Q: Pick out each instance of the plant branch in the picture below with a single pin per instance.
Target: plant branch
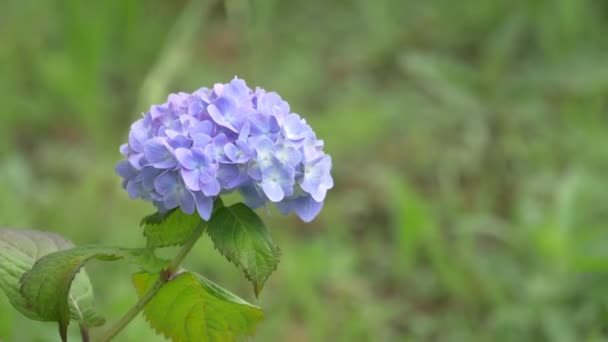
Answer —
(84, 333)
(164, 278)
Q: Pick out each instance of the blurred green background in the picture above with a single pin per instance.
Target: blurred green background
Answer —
(469, 138)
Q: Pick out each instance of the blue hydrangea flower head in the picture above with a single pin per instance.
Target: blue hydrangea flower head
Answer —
(194, 147)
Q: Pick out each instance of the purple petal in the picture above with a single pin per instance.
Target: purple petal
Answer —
(312, 147)
(187, 122)
(125, 170)
(272, 104)
(239, 153)
(165, 183)
(288, 155)
(205, 127)
(317, 178)
(285, 206)
(185, 158)
(137, 160)
(237, 88)
(125, 150)
(216, 149)
(218, 89)
(204, 205)
(307, 208)
(157, 112)
(172, 134)
(294, 127)
(244, 133)
(133, 189)
(253, 196)
(221, 112)
(138, 135)
(231, 176)
(180, 141)
(263, 124)
(232, 152)
(148, 176)
(264, 149)
(192, 179)
(211, 188)
(273, 190)
(201, 140)
(158, 155)
(186, 200)
(197, 107)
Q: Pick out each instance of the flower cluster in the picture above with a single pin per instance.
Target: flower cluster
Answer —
(187, 151)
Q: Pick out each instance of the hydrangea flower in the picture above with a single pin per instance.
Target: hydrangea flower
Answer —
(194, 147)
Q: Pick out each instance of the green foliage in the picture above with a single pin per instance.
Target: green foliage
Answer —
(169, 229)
(19, 249)
(46, 287)
(191, 308)
(241, 236)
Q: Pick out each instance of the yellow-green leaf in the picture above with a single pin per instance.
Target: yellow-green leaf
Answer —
(192, 308)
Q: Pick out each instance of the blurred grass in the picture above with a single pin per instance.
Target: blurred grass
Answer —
(469, 143)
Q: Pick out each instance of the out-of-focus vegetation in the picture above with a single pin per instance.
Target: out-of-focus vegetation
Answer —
(469, 143)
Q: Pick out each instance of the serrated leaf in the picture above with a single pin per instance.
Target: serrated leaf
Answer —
(241, 236)
(46, 287)
(192, 308)
(156, 218)
(169, 229)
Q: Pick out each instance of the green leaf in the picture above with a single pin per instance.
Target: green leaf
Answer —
(46, 287)
(192, 308)
(169, 229)
(241, 236)
(19, 249)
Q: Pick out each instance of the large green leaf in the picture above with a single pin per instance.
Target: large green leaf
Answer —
(46, 287)
(169, 229)
(192, 308)
(241, 236)
(19, 250)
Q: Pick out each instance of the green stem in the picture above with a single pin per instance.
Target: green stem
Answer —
(162, 280)
(84, 333)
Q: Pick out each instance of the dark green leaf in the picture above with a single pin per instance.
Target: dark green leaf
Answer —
(19, 249)
(192, 308)
(241, 236)
(46, 287)
(169, 229)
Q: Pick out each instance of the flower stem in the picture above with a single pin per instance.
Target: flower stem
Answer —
(84, 333)
(164, 278)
